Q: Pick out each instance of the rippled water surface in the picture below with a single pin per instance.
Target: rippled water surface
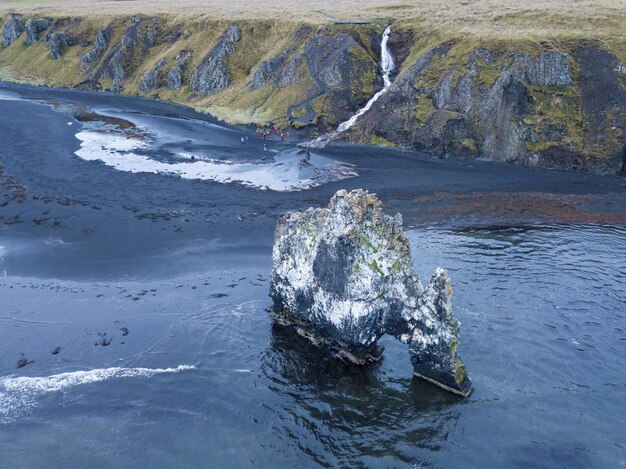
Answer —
(542, 313)
(136, 303)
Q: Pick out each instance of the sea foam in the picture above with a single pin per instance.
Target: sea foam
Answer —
(19, 394)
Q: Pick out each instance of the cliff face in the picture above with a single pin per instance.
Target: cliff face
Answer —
(561, 108)
(557, 105)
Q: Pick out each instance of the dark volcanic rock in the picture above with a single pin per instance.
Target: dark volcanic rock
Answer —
(280, 71)
(101, 44)
(58, 44)
(284, 69)
(549, 69)
(140, 36)
(507, 106)
(151, 80)
(212, 74)
(33, 28)
(343, 276)
(116, 66)
(13, 27)
(176, 75)
(603, 86)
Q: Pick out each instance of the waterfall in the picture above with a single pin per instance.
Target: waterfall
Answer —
(387, 65)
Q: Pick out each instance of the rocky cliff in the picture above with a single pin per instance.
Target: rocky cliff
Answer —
(560, 108)
(343, 276)
(555, 104)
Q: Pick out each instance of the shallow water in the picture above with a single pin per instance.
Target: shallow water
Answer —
(155, 289)
(542, 329)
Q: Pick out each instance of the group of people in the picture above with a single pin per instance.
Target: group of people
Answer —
(265, 132)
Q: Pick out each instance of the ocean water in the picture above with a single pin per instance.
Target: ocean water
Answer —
(153, 290)
(207, 380)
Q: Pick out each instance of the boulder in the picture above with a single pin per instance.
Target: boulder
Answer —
(343, 276)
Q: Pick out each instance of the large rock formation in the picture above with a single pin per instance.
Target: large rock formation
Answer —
(176, 75)
(34, 27)
(152, 80)
(343, 276)
(58, 44)
(328, 73)
(124, 58)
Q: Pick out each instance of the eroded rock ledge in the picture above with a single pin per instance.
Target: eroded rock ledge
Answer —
(343, 277)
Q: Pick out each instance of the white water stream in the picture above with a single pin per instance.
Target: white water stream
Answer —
(387, 65)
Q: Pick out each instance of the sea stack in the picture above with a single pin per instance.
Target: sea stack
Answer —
(343, 276)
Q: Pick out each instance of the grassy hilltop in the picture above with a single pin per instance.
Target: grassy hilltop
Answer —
(535, 82)
(503, 19)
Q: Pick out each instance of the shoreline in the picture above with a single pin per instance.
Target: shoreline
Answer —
(335, 146)
(443, 192)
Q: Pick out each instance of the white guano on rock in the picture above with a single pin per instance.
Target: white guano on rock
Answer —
(343, 276)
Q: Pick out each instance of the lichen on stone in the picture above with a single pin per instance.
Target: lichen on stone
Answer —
(346, 273)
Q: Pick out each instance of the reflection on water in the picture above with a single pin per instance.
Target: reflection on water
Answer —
(542, 313)
(542, 324)
(356, 414)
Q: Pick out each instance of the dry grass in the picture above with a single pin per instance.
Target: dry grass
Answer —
(490, 18)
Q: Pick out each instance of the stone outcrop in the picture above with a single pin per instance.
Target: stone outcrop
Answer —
(212, 74)
(100, 45)
(331, 74)
(279, 71)
(151, 80)
(176, 75)
(58, 44)
(507, 106)
(343, 277)
(34, 27)
(12, 29)
(284, 69)
(140, 36)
